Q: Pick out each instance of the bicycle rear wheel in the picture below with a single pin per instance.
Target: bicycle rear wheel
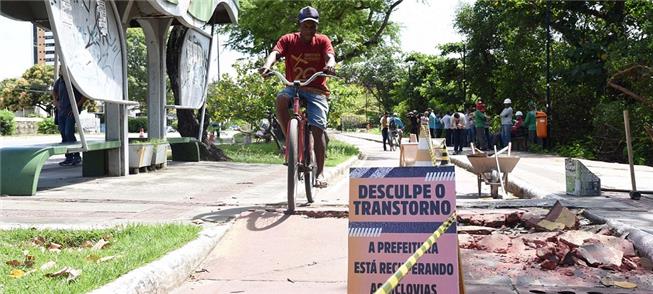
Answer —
(310, 166)
(291, 148)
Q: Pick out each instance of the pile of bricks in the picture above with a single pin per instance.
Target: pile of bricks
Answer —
(550, 239)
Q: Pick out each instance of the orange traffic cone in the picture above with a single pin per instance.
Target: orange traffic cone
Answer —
(141, 134)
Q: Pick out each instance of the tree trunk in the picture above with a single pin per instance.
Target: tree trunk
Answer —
(187, 119)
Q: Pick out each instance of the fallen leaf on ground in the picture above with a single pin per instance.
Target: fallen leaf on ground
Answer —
(47, 265)
(93, 257)
(289, 280)
(625, 284)
(107, 237)
(16, 273)
(54, 247)
(38, 241)
(14, 263)
(29, 260)
(100, 244)
(68, 272)
(605, 281)
(87, 244)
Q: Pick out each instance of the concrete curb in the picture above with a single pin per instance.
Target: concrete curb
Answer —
(343, 168)
(171, 270)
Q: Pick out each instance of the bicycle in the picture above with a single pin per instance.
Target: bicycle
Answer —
(394, 139)
(300, 155)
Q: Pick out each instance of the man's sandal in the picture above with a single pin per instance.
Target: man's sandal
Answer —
(320, 183)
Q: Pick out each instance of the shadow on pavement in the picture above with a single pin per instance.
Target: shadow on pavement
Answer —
(225, 215)
(265, 220)
(54, 176)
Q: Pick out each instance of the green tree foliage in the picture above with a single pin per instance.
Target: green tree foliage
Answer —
(33, 88)
(353, 26)
(137, 66)
(7, 122)
(246, 97)
(591, 42)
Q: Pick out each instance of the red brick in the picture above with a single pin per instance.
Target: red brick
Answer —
(476, 230)
(466, 241)
(494, 243)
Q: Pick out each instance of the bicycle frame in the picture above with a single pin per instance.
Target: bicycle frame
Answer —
(299, 153)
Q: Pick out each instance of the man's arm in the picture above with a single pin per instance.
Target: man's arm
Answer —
(269, 61)
(330, 67)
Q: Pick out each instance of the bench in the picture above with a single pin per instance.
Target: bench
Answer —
(185, 149)
(20, 166)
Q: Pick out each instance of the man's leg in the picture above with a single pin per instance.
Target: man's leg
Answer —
(282, 112)
(384, 134)
(318, 108)
(319, 147)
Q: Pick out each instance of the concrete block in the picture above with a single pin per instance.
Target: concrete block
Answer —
(580, 181)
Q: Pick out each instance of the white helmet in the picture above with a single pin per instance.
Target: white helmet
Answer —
(519, 113)
(507, 101)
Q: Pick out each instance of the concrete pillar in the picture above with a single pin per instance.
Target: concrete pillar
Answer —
(156, 33)
(116, 128)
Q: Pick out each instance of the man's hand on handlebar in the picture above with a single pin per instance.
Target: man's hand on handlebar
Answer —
(329, 70)
(264, 71)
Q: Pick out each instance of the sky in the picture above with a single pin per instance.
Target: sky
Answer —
(424, 24)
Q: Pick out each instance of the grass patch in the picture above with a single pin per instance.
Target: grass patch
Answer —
(132, 246)
(337, 152)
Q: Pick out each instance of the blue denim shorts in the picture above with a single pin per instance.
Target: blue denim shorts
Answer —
(317, 105)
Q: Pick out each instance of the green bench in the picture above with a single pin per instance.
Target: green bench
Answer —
(185, 149)
(20, 167)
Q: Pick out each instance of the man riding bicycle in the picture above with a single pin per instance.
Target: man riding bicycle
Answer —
(396, 127)
(306, 53)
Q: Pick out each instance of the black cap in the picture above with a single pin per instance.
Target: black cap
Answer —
(308, 13)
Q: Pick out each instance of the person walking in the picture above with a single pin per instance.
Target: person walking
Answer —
(432, 124)
(479, 123)
(413, 116)
(458, 127)
(529, 122)
(470, 128)
(384, 130)
(448, 133)
(65, 118)
(506, 122)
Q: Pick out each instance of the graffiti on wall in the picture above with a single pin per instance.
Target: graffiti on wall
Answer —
(87, 32)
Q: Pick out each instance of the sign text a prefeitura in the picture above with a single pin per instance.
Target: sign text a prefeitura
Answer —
(392, 211)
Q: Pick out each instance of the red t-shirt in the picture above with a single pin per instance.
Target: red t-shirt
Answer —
(305, 59)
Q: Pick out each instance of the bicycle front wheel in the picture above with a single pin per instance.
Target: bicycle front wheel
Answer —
(291, 148)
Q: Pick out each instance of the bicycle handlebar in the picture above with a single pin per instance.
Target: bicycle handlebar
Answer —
(283, 79)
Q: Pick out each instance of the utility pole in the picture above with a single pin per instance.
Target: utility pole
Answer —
(464, 69)
(549, 115)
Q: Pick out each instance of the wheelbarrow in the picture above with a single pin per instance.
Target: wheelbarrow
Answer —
(492, 170)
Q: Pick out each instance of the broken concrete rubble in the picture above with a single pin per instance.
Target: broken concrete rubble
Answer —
(600, 255)
(590, 245)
